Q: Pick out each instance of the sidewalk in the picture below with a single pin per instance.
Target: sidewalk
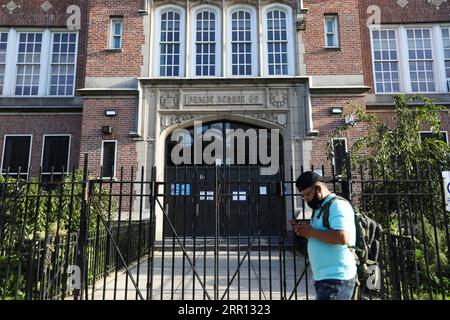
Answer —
(258, 280)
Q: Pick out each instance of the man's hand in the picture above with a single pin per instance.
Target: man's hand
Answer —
(302, 229)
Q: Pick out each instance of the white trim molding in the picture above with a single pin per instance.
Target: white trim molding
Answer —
(432, 44)
(115, 159)
(254, 40)
(192, 36)
(157, 43)
(29, 152)
(290, 39)
(68, 151)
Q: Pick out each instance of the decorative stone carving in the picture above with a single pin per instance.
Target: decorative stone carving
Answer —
(11, 6)
(169, 100)
(46, 6)
(278, 119)
(170, 120)
(278, 98)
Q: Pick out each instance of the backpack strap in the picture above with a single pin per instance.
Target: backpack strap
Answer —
(326, 211)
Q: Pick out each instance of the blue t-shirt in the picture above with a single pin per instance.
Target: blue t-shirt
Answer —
(333, 261)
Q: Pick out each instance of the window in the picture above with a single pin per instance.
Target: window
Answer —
(385, 58)
(116, 33)
(63, 64)
(3, 48)
(411, 59)
(109, 152)
(339, 153)
(38, 63)
(277, 42)
(420, 57)
(331, 31)
(55, 154)
(206, 36)
(170, 44)
(446, 45)
(28, 64)
(428, 134)
(243, 35)
(16, 154)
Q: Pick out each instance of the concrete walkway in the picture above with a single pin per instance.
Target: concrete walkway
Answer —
(259, 278)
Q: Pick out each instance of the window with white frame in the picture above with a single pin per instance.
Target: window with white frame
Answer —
(109, 153)
(3, 51)
(339, 154)
(442, 135)
(16, 154)
(38, 63)
(446, 46)
(55, 154)
(420, 58)
(331, 31)
(277, 42)
(411, 59)
(242, 42)
(385, 60)
(62, 71)
(206, 38)
(28, 64)
(116, 33)
(170, 43)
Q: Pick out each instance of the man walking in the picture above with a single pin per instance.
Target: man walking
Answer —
(332, 262)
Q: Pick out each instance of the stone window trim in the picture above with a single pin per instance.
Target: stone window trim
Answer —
(45, 62)
(440, 80)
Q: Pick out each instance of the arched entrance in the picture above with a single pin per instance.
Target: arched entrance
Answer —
(231, 197)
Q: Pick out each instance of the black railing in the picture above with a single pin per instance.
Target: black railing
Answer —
(216, 232)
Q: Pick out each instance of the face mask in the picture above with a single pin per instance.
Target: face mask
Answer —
(315, 203)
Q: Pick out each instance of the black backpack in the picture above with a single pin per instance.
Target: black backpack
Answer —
(367, 244)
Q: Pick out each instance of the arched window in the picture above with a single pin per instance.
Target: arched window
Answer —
(169, 50)
(242, 42)
(206, 38)
(278, 41)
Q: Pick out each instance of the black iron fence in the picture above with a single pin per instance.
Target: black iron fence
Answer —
(209, 233)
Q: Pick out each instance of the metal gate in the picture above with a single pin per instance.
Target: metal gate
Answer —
(204, 233)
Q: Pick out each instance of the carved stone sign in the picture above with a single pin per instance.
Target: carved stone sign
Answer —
(216, 98)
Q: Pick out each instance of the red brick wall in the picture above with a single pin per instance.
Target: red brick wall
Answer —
(104, 63)
(91, 137)
(38, 125)
(388, 117)
(30, 14)
(417, 11)
(322, 61)
(325, 123)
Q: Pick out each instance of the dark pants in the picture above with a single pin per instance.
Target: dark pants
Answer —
(331, 289)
